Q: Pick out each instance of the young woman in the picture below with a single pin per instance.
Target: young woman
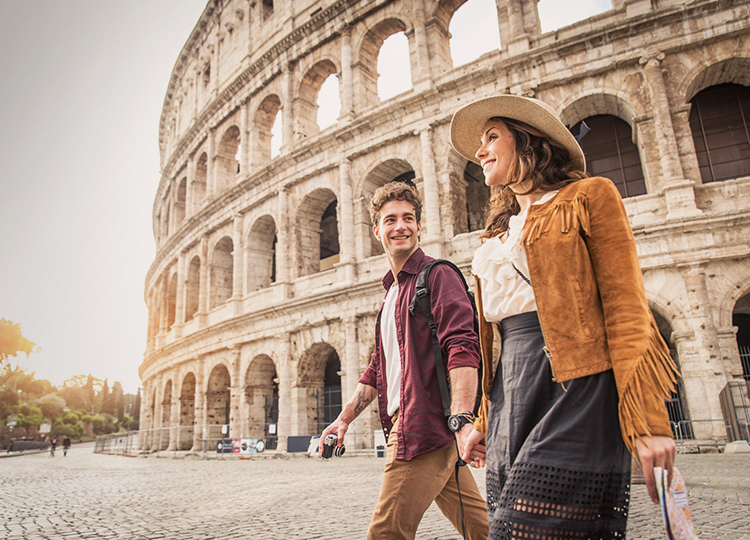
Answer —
(582, 373)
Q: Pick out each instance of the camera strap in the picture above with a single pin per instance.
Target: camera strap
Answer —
(460, 463)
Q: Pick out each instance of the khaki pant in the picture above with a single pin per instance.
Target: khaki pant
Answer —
(409, 487)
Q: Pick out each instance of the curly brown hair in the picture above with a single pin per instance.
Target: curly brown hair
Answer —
(538, 159)
(395, 191)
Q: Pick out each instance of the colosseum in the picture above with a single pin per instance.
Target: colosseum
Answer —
(263, 293)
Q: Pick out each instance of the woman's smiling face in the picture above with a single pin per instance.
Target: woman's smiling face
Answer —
(496, 153)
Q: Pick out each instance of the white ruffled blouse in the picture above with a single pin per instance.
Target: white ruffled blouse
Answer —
(504, 291)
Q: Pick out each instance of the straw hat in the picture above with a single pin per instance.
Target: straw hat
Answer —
(469, 120)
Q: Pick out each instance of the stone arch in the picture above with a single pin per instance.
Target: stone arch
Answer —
(382, 173)
(179, 204)
(677, 406)
(222, 270)
(735, 312)
(184, 439)
(262, 397)
(228, 165)
(218, 400)
(261, 254)
(262, 124)
(199, 182)
(166, 416)
(365, 72)
(470, 196)
(472, 40)
(172, 300)
(192, 288)
(305, 103)
(315, 226)
(704, 75)
(320, 373)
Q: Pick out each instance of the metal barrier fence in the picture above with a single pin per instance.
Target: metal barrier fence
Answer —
(240, 440)
(707, 431)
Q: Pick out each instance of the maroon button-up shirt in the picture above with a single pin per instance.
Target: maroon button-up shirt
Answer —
(422, 426)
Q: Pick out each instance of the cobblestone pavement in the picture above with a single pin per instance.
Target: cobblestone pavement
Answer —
(86, 495)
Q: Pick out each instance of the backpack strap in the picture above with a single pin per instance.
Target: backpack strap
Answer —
(422, 300)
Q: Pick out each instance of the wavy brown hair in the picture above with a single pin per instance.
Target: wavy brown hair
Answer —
(538, 159)
(396, 190)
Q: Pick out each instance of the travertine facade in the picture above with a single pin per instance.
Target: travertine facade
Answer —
(266, 280)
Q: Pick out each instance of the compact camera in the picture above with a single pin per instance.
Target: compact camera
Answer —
(330, 449)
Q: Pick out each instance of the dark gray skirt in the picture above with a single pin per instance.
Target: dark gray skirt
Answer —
(557, 467)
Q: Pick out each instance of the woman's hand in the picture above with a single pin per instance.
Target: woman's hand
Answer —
(655, 452)
(472, 451)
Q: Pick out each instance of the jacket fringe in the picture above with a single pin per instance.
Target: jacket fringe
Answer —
(654, 374)
(572, 214)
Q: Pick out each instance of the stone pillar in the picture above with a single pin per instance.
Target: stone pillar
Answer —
(174, 420)
(210, 165)
(350, 375)
(431, 209)
(244, 139)
(179, 319)
(346, 208)
(287, 113)
(189, 210)
(678, 192)
(346, 87)
(235, 395)
(517, 41)
(144, 417)
(199, 426)
(286, 379)
(702, 367)
(283, 247)
(237, 259)
(423, 79)
(203, 291)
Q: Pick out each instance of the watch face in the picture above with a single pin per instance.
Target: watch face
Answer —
(454, 423)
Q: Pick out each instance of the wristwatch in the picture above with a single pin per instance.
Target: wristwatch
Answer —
(457, 421)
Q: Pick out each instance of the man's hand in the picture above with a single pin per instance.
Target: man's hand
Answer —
(338, 428)
(470, 446)
(655, 452)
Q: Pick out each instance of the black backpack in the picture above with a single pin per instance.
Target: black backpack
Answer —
(422, 300)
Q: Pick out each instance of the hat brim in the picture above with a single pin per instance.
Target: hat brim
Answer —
(469, 121)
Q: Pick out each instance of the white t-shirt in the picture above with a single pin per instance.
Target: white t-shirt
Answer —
(391, 350)
(504, 291)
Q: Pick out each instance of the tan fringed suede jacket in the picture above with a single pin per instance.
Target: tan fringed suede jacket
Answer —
(592, 305)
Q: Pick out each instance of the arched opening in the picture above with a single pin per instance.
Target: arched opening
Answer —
(720, 123)
(187, 413)
(474, 31)
(394, 67)
(679, 417)
(611, 152)
(261, 254)
(172, 301)
(228, 165)
(554, 14)
(319, 373)
(306, 105)
(741, 319)
(312, 238)
(179, 205)
(388, 171)
(263, 125)
(199, 182)
(166, 415)
(366, 62)
(262, 397)
(477, 198)
(329, 102)
(222, 269)
(192, 288)
(218, 401)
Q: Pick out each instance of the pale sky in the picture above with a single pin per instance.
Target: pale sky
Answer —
(83, 83)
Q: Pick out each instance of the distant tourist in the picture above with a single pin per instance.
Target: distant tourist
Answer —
(66, 445)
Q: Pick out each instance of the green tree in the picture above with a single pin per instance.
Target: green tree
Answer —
(12, 341)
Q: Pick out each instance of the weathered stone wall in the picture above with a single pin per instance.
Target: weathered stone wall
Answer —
(239, 307)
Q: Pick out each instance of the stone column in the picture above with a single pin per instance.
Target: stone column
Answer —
(237, 259)
(350, 375)
(235, 395)
(203, 291)
(144, 417)
(431, 208)
(423, 78)
(517, 41)
(283, 248)
(346, 207)
(286, 379)
(189, 210)
(174, 420)
(210, 165)
(179, 320)
(199, 427)
(346, 87)
(244, 139)
(702, 365)
(287, 113)
(678, 192)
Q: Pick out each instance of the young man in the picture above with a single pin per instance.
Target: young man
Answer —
(422, 450)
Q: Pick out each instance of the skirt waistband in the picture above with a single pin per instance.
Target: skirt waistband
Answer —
(523, 322)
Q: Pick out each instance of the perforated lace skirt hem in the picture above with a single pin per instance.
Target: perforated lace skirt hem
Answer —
(557, 467)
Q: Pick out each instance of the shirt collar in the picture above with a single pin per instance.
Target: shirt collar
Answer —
(411, 266)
